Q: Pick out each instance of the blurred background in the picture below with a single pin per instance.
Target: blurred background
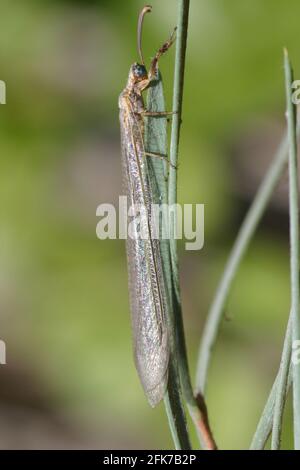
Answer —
(70, 381)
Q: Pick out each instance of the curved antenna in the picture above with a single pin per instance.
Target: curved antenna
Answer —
(146, 9)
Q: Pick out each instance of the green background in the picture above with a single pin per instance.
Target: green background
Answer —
(64, 315)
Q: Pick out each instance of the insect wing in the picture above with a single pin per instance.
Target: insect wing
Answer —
(146, 282)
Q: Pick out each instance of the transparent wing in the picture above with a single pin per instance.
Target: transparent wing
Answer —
(146, 282)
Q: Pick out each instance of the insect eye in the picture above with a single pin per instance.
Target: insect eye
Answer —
(139, 70)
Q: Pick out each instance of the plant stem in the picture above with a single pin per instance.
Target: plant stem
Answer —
(181, 40)
(264, 427)
(175, 411)
(156, 141)
(281, 388)
(196, 407)
(238, 250)
(294, 239)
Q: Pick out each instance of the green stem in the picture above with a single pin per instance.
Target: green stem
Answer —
(156, 141)
(181, 40)
(264, 427)
(281, 388)
(237, 253)
(196, 407)
(175, 411)
(294, 239)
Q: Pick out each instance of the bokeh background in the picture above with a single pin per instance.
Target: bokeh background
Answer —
(70, 381)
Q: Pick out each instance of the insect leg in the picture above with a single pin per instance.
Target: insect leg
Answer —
(161, 156)
(157, 113)
(162, 50)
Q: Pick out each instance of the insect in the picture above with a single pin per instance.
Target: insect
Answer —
(145, 271)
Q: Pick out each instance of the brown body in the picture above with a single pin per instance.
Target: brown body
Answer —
(146, 281)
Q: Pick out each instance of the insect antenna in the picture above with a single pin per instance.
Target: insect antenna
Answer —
(146, 9)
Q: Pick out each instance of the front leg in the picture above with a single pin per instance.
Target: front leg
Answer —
(161, 156)
(162, 50)
(152, 74)
(157, 113)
